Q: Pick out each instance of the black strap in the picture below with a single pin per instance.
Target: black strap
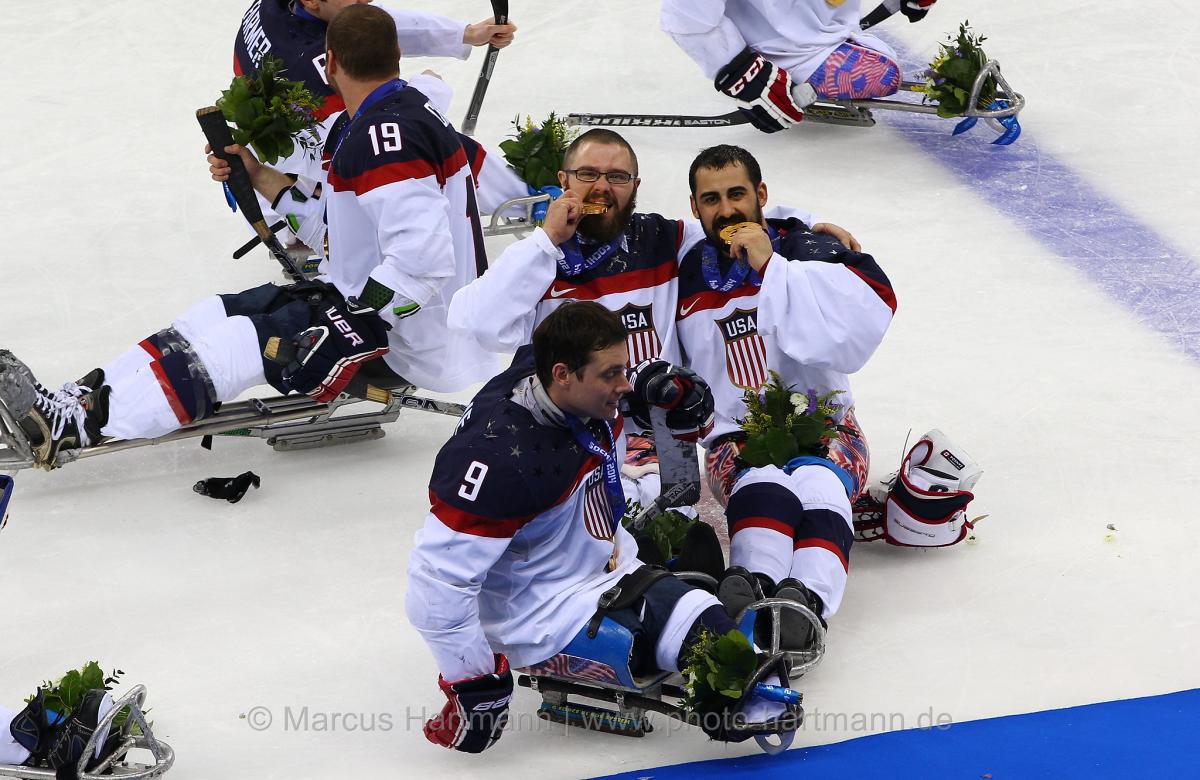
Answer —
(625, 593)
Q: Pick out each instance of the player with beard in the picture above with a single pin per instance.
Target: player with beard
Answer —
(623, 259)
(759, 294)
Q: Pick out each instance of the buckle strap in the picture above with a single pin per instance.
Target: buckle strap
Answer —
(625, 593)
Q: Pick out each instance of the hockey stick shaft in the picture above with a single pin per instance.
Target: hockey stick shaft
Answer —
(880, 13)
(241, 251)
(212, 122)
(500, 10)
(682, 120)
(657, 120)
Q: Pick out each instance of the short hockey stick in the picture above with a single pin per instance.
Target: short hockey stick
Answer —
(500, 9)
(242, 250)
(212, 122)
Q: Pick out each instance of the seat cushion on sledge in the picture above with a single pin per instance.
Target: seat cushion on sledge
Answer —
(602, 661)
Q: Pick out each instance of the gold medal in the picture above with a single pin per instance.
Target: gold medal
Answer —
(727, 232)
(591, 209)
(614, 559)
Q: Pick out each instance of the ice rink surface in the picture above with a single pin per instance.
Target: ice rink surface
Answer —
(1049, 322)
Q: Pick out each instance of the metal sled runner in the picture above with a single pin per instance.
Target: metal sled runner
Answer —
(1001, 114)
(124, 739)
(598, 669)
(287, 423)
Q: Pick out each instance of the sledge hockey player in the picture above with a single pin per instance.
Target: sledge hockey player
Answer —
(623, 259)
(403, 234)
(524, 532)
(294, 32)
(778, 57)
(777, 297)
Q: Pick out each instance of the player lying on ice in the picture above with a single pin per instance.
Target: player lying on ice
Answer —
(778, 57)
(524, 535)
(400, 217)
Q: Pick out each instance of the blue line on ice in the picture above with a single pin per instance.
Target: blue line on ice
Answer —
(1056, 206)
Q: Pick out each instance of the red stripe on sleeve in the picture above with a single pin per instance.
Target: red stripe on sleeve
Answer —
(151, 350)
(882, 290)
(477, 525)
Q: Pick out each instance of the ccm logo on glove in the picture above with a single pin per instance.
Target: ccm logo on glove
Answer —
(751, 73)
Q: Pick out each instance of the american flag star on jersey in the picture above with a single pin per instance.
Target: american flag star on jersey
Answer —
(597, 516)
(641, 337)
(745, 351)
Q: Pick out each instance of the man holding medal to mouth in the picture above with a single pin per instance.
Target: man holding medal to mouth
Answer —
(761, 295)
(625, 260)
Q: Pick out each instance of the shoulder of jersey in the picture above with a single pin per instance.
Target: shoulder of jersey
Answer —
(400, 137)
(529, 467)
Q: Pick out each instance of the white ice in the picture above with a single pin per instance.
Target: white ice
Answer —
(1081, 415)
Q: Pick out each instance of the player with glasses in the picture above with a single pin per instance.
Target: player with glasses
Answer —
(588, 175)
(593, 246)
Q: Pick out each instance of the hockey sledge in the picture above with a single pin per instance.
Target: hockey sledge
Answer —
(599, 669)
(515, 217)
(293, 422)
(1000, 115)
(116, 763)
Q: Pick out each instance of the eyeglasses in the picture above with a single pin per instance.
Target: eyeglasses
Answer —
(588, 175)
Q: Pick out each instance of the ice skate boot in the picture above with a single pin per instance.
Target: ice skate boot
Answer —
(57, 741)
(796, 633)
(56, 421)
(739, 588)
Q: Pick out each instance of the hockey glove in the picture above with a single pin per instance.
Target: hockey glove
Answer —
(916, 10)
(473, 720)
(686, 397)
(330, 353)
(927, 504)
(768, 89)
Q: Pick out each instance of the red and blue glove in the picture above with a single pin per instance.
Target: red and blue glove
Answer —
(474, 717)
(915, 10)
(686, 397)
(768, 89)
(330, 353)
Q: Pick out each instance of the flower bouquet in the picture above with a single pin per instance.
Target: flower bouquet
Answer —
(782, 424)
(951, 76)
(270, 114)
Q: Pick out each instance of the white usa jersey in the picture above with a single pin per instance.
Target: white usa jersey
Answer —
(819, 314)
(796, 35)
(525, 284)
(400, 207)
(513, 556)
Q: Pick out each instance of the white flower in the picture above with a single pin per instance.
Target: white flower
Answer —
(799, 401)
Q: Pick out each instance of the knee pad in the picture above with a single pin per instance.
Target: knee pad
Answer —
(926, 506)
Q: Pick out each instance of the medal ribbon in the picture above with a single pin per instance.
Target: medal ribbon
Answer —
(612, 479)
(573, 263)
(739, 271)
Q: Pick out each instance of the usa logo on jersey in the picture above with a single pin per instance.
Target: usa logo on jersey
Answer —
(745, 351)
(642, 339)
(597, 516)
